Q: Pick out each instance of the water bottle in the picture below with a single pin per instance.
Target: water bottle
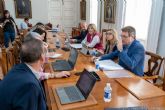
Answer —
(57, 43)
(97, 65)
(107, 92)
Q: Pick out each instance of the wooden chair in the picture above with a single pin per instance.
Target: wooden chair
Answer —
(1, 37)
(15, 50)
(154, 65)
(7, 60)
(75, 31)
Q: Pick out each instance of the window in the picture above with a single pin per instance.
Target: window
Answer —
(138, 16)
(93, 11)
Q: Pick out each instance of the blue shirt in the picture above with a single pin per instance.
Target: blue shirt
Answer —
(24, 25)
(131, 58)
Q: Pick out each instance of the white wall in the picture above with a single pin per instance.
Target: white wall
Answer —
(39, 11)
(119, 15)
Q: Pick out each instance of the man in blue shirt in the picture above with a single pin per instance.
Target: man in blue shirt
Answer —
(24, 24)
(130, 52)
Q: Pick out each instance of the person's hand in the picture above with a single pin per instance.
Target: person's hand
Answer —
(72, 40)
(94, 59)
(120, 45)
(63, 74)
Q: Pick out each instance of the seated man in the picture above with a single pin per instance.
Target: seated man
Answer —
(21, 88)
(130, 52)
(83, 33)
(24, 24)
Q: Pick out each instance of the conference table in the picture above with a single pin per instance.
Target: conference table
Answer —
(121, 96)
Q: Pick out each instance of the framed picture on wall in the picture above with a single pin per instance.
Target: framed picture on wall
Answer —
(23, 8)
(83, 9)
(110, 11)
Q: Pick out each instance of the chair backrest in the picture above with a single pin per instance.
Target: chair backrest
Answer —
(154, 64)
(75, 31)
(1, 37)
(7, 60)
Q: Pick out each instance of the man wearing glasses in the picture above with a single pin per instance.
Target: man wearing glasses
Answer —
(130, 52)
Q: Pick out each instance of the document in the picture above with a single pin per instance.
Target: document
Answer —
(77, 46)
(109, 65)
(55, 55)
(115, 74)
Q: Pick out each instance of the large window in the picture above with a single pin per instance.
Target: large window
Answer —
(138, 16)
(93, 11)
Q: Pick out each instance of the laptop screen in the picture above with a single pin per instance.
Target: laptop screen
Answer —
(86, 83)
(73, 57)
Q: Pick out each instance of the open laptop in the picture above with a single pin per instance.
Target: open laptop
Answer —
(78, 92)
(84, 50)
(63, 65)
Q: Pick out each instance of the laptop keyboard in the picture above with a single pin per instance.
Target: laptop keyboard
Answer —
(72, 93)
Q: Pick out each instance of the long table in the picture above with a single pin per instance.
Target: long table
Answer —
(121, 97)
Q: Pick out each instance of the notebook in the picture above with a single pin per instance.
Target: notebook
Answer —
(78, 92)
(63, 65)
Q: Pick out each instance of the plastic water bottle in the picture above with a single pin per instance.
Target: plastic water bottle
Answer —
(57, 43)
(107, 92)
(97, 65)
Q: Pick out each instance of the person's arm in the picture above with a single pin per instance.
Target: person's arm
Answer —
(27, 98)
(137, 55)
(15, 25)
(84, 41)
(95, 41)
(110, 56)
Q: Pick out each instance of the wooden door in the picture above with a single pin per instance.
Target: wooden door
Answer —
(64, 13)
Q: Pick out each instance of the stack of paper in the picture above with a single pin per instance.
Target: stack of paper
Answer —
(77, 46)
(109, 65)
(114, 74)
(55, 55)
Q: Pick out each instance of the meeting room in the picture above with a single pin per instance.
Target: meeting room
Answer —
(82, 55)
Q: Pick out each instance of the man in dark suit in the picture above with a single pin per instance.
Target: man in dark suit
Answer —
(21, 88)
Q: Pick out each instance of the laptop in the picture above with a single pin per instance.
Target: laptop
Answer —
(84, 50)
(63, 65)
(78, 92)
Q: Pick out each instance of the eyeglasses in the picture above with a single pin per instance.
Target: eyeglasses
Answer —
(108, 33)
(123, 36)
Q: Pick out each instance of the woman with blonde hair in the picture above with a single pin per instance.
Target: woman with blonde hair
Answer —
(111, 41)
(92, 39)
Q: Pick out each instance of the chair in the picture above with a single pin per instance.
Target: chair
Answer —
(1, 37)
(7, 60)
(154, 65)
(75, 31)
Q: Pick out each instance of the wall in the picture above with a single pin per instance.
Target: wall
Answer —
(161, 42)
(39, 11)
(119, 15)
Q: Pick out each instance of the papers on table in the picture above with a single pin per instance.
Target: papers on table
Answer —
(116, 74)
(55, 55)
(108, 65)
(77, 46)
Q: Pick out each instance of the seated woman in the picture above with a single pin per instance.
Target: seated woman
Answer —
(42, 33)
(92, 39)
(111, 41)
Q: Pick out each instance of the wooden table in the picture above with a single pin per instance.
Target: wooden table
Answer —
(121, 97)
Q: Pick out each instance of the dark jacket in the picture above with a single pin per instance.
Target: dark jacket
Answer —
(131, 58)
(81, 37)
(21, 90)
(9, 26)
